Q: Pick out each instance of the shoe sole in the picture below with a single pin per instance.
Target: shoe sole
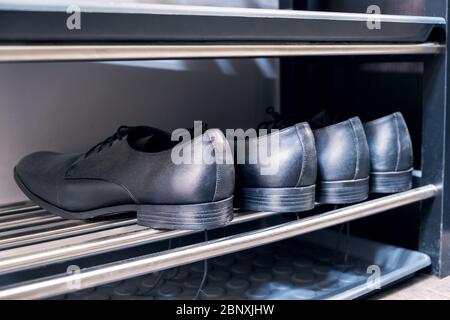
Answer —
(171, 217)
(278, 200)
(391, 182)
(343, 192)
(187, 217)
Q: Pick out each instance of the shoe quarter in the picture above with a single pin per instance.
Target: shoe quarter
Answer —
(108, 164)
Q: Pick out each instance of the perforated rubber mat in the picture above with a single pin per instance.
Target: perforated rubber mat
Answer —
(324, 265)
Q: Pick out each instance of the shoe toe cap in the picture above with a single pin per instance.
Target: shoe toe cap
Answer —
(42, 173)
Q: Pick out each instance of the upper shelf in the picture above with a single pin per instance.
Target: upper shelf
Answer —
(26, 21)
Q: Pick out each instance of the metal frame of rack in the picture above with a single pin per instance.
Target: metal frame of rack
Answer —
(434, 236)
(30, 238)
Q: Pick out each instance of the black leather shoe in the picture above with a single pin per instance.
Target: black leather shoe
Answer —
(286, 181)
(344, 164)
(133, 171)
(391, 154)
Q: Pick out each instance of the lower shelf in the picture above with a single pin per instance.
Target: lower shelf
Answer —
(312, 267)
(39, 247)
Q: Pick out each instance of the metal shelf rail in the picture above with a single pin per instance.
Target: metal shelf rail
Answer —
(49, 53)
(26, 257)
(40, 250)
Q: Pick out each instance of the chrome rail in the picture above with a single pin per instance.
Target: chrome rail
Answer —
(49, 53)
(14, 208)
(54, 231)
(121, 270)
(41, 254)
(27, 219)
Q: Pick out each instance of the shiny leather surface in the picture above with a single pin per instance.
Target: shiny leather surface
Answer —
(44, 172)
(295, 159)
(390, 144)
(120, 175)
(342, 151)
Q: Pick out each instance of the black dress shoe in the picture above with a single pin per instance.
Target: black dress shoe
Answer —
(133, 171)
(286, 181)
(344, 164)
(391, 154)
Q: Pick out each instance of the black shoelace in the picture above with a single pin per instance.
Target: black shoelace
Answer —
(277, 121)
(161, 275)
(205, 273)
(108, 142)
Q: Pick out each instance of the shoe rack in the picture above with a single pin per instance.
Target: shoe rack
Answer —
(31, 238)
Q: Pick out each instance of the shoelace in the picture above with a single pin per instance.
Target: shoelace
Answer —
(119, 135)
(277, 122)
(205, 272)
(159, 280)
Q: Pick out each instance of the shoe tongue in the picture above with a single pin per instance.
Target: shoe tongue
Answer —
(144, 143)
(146, 139)
(138, 133)
(323, 119)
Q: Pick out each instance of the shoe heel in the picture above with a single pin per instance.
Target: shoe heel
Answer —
(343, 192)
(276, 199)
(203, 216)
(392, 182)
